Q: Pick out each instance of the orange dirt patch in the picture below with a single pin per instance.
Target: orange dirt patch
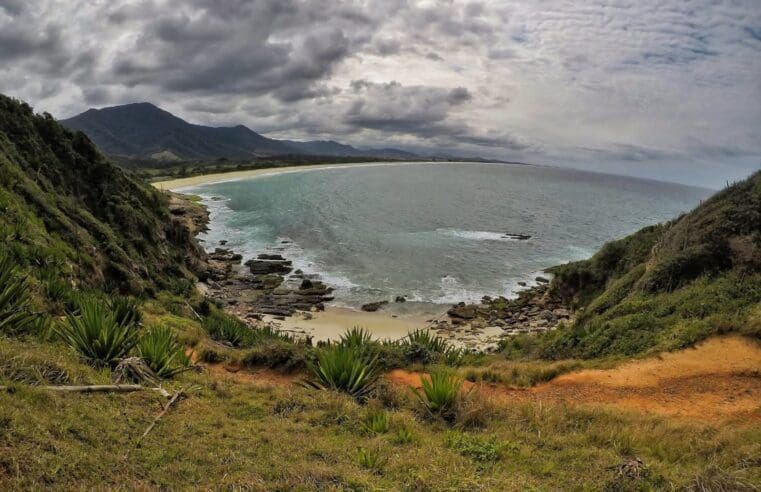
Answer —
(234, 371)
(717, 380)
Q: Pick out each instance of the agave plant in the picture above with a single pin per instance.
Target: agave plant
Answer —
(345, 369)
(97, 333)
(126, 310)
(359, 339)
(267, 332)
(424, 338)
(15, 309)
(422, 346)
(162, 352)
(228, 329)
(439, 393)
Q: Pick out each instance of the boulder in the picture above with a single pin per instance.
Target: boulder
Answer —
(371, 307)
(400, 299)
(462, 311)
(542, 280)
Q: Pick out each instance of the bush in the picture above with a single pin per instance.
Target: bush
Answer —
(96, 333)
(423, 346)
(439, 394)
(369, 459)
(377, 422)
(15, 303)
(162, 352)
(403, 436)
(225, 328)
(126, 310)
(358, 338)
(344, 369)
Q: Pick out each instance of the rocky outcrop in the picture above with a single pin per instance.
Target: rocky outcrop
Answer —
(533, 311)
(371, 307)
(269, 264)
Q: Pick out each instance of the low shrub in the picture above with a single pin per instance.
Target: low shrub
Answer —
(126, 310)
(403, 436)
(344, 369)
(370, 459)
(16, 314)
(439, 394)
(224, 328)
(96, 333)
(162, 352)
(377, 422)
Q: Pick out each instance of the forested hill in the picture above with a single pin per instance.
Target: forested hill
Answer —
(67, 213)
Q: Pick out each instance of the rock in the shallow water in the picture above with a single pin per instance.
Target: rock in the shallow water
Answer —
(519, 237)
(263, 266)
(371, 307)
(400, 299)
(542, 280)
(306, 284)
(265, 256)
(522, 284)
(462, 311)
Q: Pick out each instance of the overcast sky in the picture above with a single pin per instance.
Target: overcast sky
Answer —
(668, 89)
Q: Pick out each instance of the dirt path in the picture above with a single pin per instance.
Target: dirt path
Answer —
(717, 380)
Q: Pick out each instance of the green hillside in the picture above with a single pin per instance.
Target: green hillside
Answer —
(666, 286)
(68, 215)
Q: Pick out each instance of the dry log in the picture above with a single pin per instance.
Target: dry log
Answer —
(102, 388)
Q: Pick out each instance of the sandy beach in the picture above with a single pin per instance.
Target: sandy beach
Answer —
(334, 321)
(180, 183)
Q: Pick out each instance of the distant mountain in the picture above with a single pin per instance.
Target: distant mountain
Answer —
(333, 148)
(143, 130)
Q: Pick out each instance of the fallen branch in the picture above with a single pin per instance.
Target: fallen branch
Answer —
(158, 417)
(100, 388)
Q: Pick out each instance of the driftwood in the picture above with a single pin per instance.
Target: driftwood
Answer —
(134, 370)
(168, 405)
(101, 388)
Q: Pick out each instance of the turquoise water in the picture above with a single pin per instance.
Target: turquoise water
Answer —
(433, 232)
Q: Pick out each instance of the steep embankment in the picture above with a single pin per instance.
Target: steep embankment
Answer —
(666, 286)
(67, 214)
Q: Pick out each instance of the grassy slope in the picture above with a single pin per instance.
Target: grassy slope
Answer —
(285, 437)
(66, 212)
(667, 286)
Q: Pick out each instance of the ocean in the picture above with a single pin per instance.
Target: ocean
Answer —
(433, 232)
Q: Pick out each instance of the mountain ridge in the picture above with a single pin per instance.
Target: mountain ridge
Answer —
(143, 129)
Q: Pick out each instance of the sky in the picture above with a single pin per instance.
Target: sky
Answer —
(665, 89)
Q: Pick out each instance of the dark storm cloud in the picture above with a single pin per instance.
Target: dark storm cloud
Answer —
(555, 81)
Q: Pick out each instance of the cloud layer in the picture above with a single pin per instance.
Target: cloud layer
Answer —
(666, 89)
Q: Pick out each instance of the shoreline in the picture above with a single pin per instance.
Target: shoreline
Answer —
(266, 290)
(178, 184)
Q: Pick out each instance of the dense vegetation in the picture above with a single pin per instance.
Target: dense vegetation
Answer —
(68, 215)
(666, 286)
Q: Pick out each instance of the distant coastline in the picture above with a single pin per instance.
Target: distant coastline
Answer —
(176, 184)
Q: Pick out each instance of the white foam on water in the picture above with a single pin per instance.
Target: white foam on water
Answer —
(477, 235)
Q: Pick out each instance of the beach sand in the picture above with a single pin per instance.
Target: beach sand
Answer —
(334, 321)
(179, 183)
